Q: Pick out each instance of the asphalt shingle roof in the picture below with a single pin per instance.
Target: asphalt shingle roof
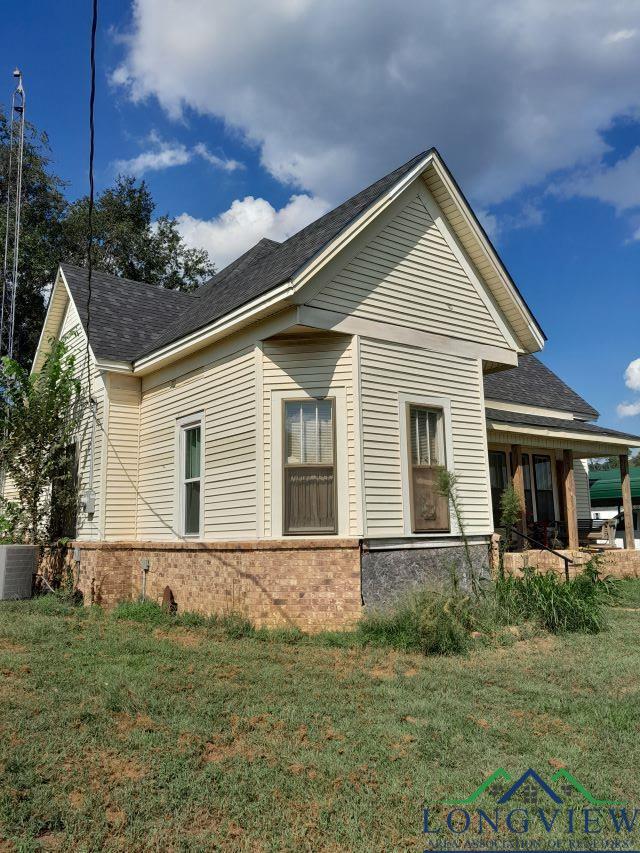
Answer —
(125, 315)
(137, 318)
(533, 384)
(560, 424)
(270, 265)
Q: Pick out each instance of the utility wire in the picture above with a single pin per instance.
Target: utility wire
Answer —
(92, 98)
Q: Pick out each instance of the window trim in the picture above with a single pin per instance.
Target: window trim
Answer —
(285, 465)
(343, 492)
(182, 425)
(444, 404)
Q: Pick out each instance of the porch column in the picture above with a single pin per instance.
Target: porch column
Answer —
(569, 490)
(627, 504)
(518, 483)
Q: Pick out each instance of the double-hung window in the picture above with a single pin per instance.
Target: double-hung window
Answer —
(543, 481)
(499, 479)
(190, 471)
(309, 475)
(429, 508)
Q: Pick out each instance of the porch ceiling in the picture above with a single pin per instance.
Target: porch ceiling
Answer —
(585, 438)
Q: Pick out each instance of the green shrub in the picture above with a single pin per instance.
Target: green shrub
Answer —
(398, 627)
(555, 604)
(147, 612)
(446, 624)
(235, 626)
(436, 623)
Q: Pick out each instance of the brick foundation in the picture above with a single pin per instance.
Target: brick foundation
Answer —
(310, 584)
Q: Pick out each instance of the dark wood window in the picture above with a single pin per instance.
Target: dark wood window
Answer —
(528, 491)
(499, 480)
(429, 508)
(544, 488)
(309, 467)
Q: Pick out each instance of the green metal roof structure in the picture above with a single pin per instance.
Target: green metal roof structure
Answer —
(605, 488)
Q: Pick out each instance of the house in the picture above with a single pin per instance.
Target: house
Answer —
(272, 443)
(605, 492)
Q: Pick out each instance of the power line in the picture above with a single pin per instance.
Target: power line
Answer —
(92, 98)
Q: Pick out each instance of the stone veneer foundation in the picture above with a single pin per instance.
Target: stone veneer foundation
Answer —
(310, 584)
(618, 563)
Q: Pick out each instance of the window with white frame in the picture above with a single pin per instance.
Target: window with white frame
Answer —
(309, 476)
(190, 475)
(429, 508)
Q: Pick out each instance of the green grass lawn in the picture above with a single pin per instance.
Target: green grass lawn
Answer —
(124, 736)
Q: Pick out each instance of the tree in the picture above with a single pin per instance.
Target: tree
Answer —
(128, 241)
(41, 239)
(607, 463)
(40, 415)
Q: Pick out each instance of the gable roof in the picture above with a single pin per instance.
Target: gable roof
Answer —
(264, 270)
(138, 320)
(533, 384)
(126, 314)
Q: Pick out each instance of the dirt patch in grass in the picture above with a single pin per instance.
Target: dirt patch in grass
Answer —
(181, 636)
(7, 645)
(219, 749)
(125, 724)
(395, 665)
(109, 766)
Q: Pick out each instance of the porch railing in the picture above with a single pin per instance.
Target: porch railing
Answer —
(544, 547)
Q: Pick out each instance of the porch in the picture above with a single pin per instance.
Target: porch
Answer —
(545, 460)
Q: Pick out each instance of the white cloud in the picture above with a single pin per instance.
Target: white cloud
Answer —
(219, 162)
(334, 94)
(628, 410)
(165, 155)
(618, 185)
(237, 229)
(632, 375)
(620, 35)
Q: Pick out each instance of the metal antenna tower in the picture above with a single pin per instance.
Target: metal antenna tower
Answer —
(12, 228)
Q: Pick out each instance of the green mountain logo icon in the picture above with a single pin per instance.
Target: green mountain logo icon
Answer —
(562, 781)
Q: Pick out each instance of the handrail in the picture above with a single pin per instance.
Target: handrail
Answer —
(567, 560)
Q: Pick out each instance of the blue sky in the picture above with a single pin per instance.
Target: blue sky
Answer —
(250, 119)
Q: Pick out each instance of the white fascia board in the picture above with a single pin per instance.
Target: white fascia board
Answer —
(112, 366)
(490, 254)
(41, 340)
(320, 318)
(41, 343)
(528, 410)
(564, 435)
(265, 304)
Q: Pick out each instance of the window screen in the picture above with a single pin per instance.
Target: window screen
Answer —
(309, 467)
(429, 508)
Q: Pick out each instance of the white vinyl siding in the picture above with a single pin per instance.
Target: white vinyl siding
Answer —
(121, 471)
(317, 365)
(225, 391)
(389, 370)
(88, 527)
(408, 275)
(461, 225)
